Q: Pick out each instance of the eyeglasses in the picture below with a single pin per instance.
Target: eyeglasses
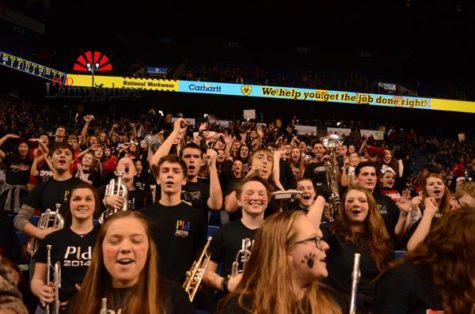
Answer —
(318, 241)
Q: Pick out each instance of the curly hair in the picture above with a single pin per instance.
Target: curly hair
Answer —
(448, 252)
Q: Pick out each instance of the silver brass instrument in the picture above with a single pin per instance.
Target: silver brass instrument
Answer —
(54, 270)
(103, 306)
(355, 278)
(105, 310)
(47, 220)
(287, 194)
(115, 187)
(242, 257)
(331, 142)
(197, 271)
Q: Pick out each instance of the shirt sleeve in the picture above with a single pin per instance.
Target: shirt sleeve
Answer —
(41, 254)
(180, 301)
(392, 293)
(216, 248)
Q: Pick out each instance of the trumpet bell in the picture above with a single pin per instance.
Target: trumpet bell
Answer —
(332, 140)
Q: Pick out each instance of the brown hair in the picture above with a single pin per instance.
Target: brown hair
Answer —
(146, 298)
(264, 287)
(375, 236)
(448, 253)
(465, 188)
(174, 159)
(257, 178)
(68, 217)
(444, 206)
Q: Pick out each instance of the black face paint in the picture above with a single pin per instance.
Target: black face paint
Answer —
(309, 259)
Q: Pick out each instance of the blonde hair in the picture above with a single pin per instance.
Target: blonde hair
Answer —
(146, 298)
(264, 287)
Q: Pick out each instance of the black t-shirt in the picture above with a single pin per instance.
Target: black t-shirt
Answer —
(227, 242)
(339, 261)
(44, 172)
(48, 194)
(136, 199)
(413, 227)
(179, 234)
(144, 180)
(175, 299)
(17, 171)
(195, 193)
(94, 176)
(406, 289)
(74, 251)
(390, 213)
(233, 307)
(9, 245)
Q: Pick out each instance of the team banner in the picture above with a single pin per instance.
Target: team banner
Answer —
(290, 93)
(377, 135)
(32, 68)
(320, 95)
(339, 131)
(75, 80)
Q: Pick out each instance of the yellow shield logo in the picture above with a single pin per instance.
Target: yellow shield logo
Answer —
(246, 89)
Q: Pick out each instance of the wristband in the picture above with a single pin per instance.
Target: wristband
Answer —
(224, 285)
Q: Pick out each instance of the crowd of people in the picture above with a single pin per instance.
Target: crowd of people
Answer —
(293, 209)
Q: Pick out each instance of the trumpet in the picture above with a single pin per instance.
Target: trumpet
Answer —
(355, 276)
(56, 283)
(331, 142)
(242, 257)
(47, 220)
(115, 188)
(195, 275)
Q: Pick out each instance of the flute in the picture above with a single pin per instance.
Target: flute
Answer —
(355, 276)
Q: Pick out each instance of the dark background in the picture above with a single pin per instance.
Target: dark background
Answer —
(408, 42)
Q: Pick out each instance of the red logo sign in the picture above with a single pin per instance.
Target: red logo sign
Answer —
(92, 61)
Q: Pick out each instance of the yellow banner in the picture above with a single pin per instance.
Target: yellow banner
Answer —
(122, 82)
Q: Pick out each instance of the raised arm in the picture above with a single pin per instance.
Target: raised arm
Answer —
(215, 200)
(82, 138)
(3, 140)
(315, 212)
(179, 129)
(422, 230)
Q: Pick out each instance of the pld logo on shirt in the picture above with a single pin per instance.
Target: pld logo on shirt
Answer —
(191, 196)
(182, 228)
(382, 210)
(75, 258)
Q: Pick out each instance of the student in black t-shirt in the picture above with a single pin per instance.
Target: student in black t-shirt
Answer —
(283, 273)
(366, 176)
(438, 275)
(253, 195)
(317, 171)
(48, 194)
(17, 173)
(136, 198)
(202, 194)
(358, 228)
(124, 271)
(71, 246)
(177, 228)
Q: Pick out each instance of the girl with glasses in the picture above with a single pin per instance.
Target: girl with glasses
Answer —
(287, 262)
